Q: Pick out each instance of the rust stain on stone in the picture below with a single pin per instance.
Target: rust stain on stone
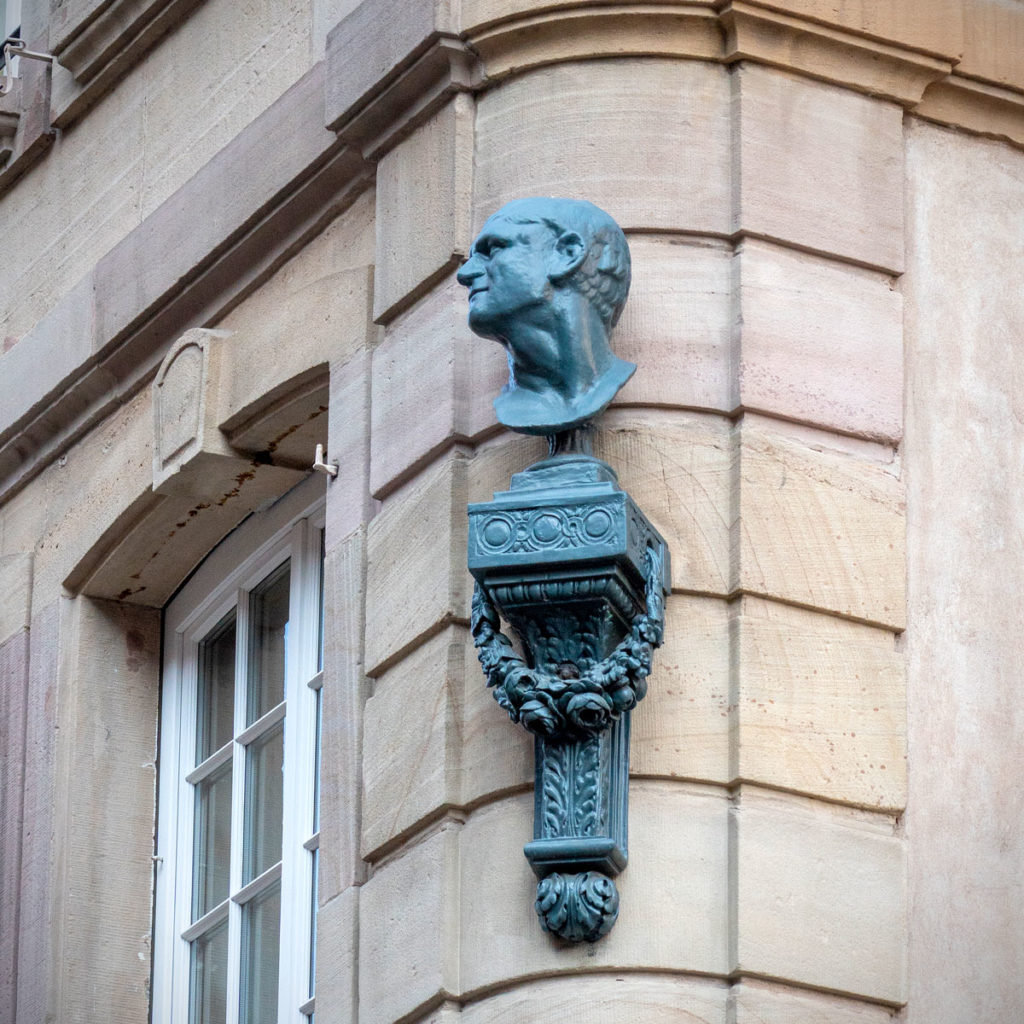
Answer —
(273, 443)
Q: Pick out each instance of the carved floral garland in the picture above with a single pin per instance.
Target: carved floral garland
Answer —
(552, 706)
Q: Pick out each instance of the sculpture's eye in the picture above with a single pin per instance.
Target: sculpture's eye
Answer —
(486, 247)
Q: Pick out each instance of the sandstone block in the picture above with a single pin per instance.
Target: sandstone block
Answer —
(993, 34)
(819, 895)
(681, 728)
(47, 355)
(819, 342)
(424, 195)
(820, 705)
(676, 467)
(433, 384)
(673, 894)
(677, 325)
(344, 695)
(16, 586)
(37, 894)
(347, 442)
(819, 166)
(416, 570)
(408, 921)
(935, 26)
(105, 808)
(645, 139)
(604, 999)
(384, 36)
(462, 748)
(319, 301)
(223, 196)
(14, 655)
(819, 528)
(965, 422)
(759, 1002)
(337, 950)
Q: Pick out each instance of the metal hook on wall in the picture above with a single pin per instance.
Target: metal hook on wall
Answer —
(14, 47)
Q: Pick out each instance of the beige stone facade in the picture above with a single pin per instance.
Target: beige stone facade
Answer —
(230, 233)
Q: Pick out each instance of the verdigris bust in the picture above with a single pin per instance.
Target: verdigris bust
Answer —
(548, 278)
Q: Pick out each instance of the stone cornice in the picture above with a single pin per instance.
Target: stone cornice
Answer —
(979, 107)
(833, 55)
(95, 50)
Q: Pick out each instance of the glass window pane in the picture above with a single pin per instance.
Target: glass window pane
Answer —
(316, 762)
(269, 616)
(264, 803)
(216, 702)
(261, 940)
(312, 926)
(209, 972)
(320, 611)
(212, 841)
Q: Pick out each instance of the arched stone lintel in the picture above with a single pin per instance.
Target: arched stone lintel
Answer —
(211, 469)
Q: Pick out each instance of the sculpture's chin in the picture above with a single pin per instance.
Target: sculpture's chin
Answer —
(483, 325)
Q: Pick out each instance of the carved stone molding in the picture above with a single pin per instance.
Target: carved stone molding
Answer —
(96, 43)
(980, 107)
(185, 434)
(796, 44)
(447, 66)
(202, 485)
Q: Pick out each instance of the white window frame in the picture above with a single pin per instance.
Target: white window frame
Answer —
(291, 528)
(11, 25)
(12, 18)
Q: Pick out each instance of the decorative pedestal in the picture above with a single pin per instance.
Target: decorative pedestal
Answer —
(567, 558)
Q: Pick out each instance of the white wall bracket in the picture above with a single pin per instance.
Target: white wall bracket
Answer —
(14, 47)
(330, 468)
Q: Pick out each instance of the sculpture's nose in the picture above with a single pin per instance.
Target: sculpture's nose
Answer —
(469, 271)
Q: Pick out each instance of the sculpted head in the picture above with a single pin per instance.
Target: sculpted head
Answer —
(547, 279)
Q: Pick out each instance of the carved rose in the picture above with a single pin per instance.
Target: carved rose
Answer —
(540, 717)
(519, 685)
(558, 703)
(588, 711)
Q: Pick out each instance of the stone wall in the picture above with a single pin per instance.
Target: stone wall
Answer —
(823, 210)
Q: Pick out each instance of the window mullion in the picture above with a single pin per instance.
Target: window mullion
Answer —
(237, 809)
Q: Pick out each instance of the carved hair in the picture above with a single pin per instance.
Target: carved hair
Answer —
(603, 276)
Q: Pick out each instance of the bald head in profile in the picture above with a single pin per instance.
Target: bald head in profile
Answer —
(547, 279)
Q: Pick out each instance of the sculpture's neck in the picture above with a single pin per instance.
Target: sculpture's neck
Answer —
(577, 441)
(566, 355)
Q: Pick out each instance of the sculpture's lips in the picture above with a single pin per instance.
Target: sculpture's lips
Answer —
(476, 291)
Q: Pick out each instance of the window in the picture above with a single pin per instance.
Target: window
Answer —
(10, 23)
(238, 838)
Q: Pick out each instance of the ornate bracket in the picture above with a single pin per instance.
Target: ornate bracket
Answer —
(567, 558)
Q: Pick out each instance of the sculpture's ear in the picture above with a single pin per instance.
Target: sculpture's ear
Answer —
(566, 256)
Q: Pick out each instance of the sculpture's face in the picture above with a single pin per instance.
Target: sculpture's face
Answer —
(507, 275)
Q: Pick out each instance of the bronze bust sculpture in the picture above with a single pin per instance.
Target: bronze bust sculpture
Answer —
(564, 556)
(547, 279)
